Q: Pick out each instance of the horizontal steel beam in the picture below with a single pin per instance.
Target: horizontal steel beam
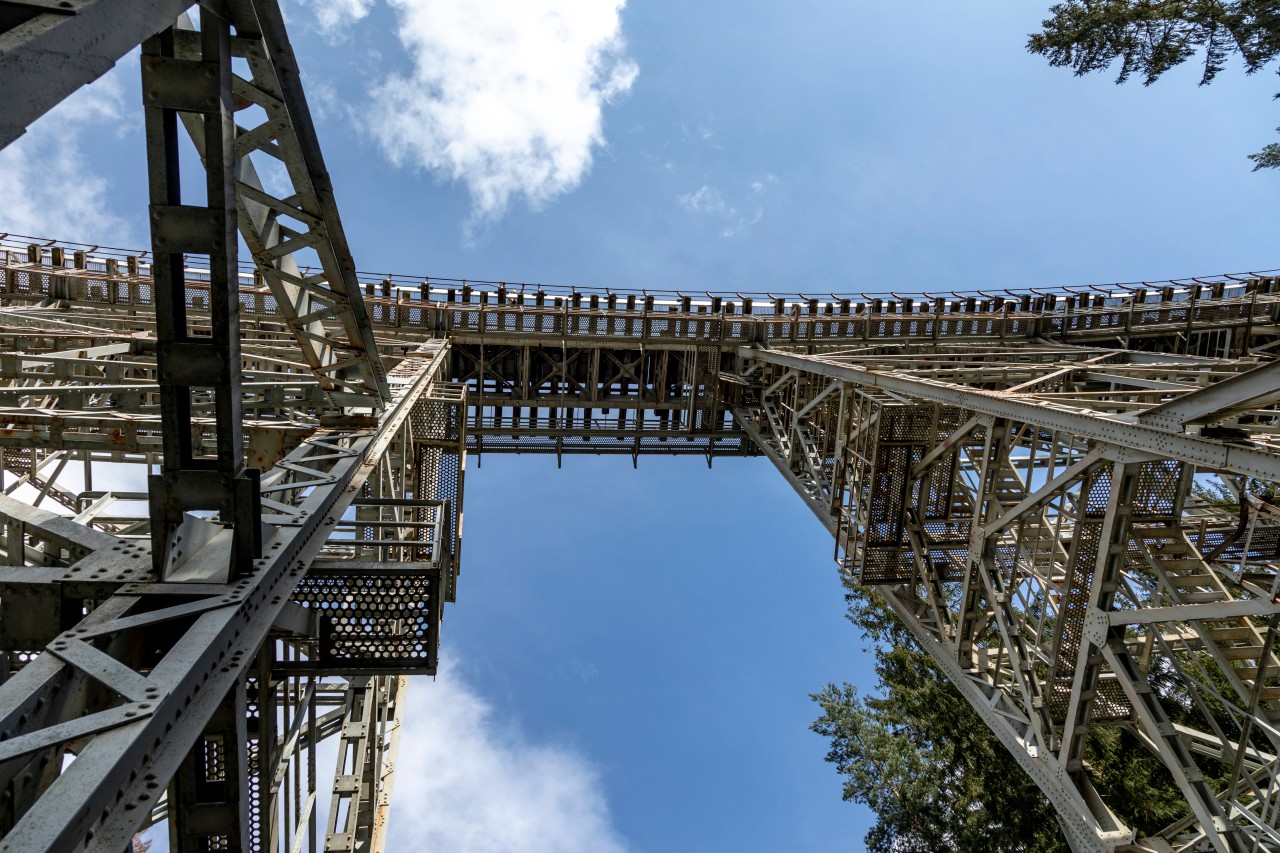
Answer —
(1209, 453)
(51, 49)
(1247, 391)
(172, 702)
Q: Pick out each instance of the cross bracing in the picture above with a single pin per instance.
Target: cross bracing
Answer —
(917, 453)
(232, 491)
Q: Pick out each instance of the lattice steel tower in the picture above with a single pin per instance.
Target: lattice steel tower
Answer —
(254, 474)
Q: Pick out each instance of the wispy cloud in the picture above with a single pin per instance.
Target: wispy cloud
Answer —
(48, 187)
(467, 780)
(706, 200)
(334, 16)
(506, 96)
(764, 183)
(701, 134)
(710, 202)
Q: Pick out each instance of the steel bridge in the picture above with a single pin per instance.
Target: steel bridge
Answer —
(231, 507)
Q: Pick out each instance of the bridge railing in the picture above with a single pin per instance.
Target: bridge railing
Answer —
(41, 273)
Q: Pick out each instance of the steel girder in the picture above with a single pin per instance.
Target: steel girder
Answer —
(121, 697)
(48, 50)
(1042, 540)
(564, 397)
(193, 364)
(323, 309)
(370, 742)
(146, 704)
(1020, 429)
(1026, 507)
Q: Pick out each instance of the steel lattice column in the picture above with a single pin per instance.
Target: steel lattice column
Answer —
(1043, 543)
(189, 365)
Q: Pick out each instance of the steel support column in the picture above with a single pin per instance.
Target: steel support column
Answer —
(191, 365)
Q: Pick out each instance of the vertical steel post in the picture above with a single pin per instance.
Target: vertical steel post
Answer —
(194, 362)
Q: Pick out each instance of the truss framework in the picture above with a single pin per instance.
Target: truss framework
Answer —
(1026, 507)
(1045, 545)
(1022, 476)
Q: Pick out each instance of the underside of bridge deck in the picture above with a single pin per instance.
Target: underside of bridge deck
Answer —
(232, 493)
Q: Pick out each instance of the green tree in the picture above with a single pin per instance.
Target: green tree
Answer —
(1149, 37)
(937, 778)
(922, 760)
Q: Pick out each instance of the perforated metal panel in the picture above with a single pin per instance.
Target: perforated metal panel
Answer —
(437, 418)
(373, 622)
(703, 366)
(886, 498)
(1157, 491)
(1095, 494)
(253, 759)
(18, 458)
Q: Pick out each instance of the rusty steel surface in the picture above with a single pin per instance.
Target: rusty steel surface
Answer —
(231, 489)
(1024, 502)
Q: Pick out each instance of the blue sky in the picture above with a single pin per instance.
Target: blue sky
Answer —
(628, 662)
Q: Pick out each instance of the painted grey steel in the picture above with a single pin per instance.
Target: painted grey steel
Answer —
(563, 380)
(1240, 394)
(1122, 432)
(1075, 413)
(1048, 557)
(166, 707)
(302, 221)
(201, 664)
(1024, 477)
(50, 49)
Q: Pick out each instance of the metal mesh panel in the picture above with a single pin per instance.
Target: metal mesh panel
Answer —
(882, 502)
(886, 565)
(703, 366)
(18, 458)
(1262, 546)
(942, 499)
(1110, 704)
(214, 759)
(1075, 600)
(512, 443)
(1097, 493)
(886, 554)
(948, 544)
(253, 759)
(1157, 489)
(90, 290)
(438, 477)
(437, 417)
(374, 621)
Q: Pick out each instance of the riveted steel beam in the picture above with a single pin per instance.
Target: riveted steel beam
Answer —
(48, 50)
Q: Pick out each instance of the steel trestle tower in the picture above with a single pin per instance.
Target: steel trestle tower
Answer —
(255, 475)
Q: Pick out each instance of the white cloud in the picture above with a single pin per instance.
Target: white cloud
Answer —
(322, 98)
(466, 780)
(48, 186)
(334, 16)
(708, 201)
(767, 181)
(506, 96)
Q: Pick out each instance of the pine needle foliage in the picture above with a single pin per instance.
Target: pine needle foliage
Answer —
(936, 777)
(1147, 38)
